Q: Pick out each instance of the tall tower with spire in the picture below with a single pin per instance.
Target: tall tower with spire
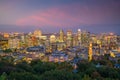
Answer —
(90, 52)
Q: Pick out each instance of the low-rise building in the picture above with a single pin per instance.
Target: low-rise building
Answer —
(36, 49)
(58, 57)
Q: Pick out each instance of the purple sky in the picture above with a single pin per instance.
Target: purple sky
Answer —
(52, 15)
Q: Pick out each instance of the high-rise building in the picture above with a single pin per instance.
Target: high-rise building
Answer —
(52, 39)
(53, 45)
(37, 33)
(90, 52)
(75, 40)
(69, 38)
(79, 36)
(85, 38)
(69, 35)
(61, 36)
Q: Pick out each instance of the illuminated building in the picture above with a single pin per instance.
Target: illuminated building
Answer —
(60, 46)
(30, 33)
(47, 45)
(37, 33)
(3, 44)
(79, 36)
(14, 43)
(75, 40)
(61, 36)
(69, 35)
(23, 38)
(85, 36)
(16, 34)
(34, 41)
(69, 38)
(90, 52)
(6, 35)
(36, 49)
(53, 45)
(43, 37)
(42, 40)
(93, 38)
(58, 57)
(111, 41)
(52, 39)
(112, 54)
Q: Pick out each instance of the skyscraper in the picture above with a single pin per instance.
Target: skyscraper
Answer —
(75, 40)
(61, 36)
(79, 36)
(53, 45)
(69, 38)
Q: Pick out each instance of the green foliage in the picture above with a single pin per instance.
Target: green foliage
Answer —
(38, 70)
(90, 70)
(3, 76)
(64, 66)
(118, 61)
(43, 67)
(107, 72)
(22, 76)
(35, 62)
(83, 66)
(86, 77)
(25, 67)
(96, 75)
(59, 75)
(5, 66)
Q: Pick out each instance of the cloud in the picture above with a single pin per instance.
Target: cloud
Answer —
(73, 15)
(50, 17)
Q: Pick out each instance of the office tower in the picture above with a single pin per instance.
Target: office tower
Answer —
(37, 33)
(69, 38)
(61, 36)
(79, 36)
(75, 40)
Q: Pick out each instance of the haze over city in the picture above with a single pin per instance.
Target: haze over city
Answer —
(52, 15)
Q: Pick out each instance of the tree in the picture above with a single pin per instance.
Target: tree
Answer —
(25, 67)
(3, 76)
(108, 72)
(64, 66)
(59, 75)
(86, 77)
(96, 75)
(35, 62)
(5, 66)
(22, 76)
(41, 68)
(83, 66)
(90, 70)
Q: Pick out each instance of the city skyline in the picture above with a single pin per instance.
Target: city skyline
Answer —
(59, 39)
(51, 16)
